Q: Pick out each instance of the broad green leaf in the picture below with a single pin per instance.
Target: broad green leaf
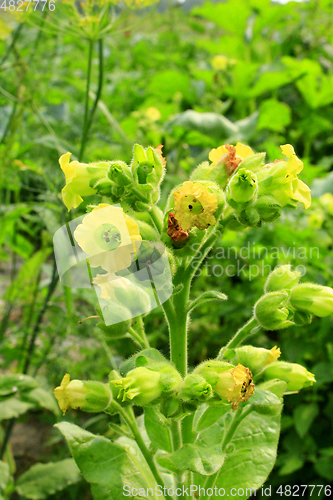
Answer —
(4, 475)
(232, 16)
(251, 454)
(110, 465)
(10, 384)
(291, 464)
(324, 467)
(101, 492)
(194, 457)
(43, 399)
(43, 480)
(165, 84)
(206, 415)
(12, 407)
(158, 429)
(304, 415)
(211, 124)
(274, 115)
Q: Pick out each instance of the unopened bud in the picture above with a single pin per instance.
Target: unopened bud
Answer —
(255, 358)
(271, 311)
(268, 207)
(242, 188)
(120, 173)
(282, 278)
(87, 395)
(296, 376)
(249, 217)
(140, 386)
(315, 299)
(196, 389)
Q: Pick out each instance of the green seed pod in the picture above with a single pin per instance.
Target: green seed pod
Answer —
(282, 278)
(242, 188)
(296, 376)
(271, 311)
(196, 389)
(87, 395)
(314, 299)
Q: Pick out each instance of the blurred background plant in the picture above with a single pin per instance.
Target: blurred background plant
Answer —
(94, 77)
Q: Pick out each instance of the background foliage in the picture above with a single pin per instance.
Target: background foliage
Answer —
(190, 77)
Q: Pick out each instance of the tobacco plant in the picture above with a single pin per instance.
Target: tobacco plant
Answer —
(212, 430)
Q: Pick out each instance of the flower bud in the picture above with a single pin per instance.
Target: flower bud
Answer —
(233, 383)
(140, 386)
(282, 278)
(296, 376)
(255, 358)
(120, 318)
(120, 173)
(148, 166)
(196, 389)
(242, 188)
(249, 217)
(271, 311)
(268, 207)
(315, 299)
(89, 396)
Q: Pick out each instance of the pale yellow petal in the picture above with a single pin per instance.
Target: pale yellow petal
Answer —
(70, 199)
(216, 153)
(243, 151)
(66, 167)
(301, 192)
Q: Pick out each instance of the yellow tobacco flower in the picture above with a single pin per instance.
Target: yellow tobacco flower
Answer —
(60, 393)
(235, 385)
(231, 156)
(273, 355)
(153, 114)
(219, 62)
(108, 238)
(79, 177)
(280, 180)
(109, 282)
(194, 206)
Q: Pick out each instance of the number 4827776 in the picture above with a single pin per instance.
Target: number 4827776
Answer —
(22, 6)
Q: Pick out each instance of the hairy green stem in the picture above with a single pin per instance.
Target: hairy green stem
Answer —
(129, 417)
(86, 105)
(156, 218)
(239, 336)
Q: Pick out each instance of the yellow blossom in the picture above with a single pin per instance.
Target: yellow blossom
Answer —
(153, 114)
(230, 156)
(235, 385)
(219, 62)
(108, 238)
(194, 206)
(280, 180)
(79, 177)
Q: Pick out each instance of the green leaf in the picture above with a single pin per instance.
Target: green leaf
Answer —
(10, 384)
(206, 415)
(110, 465)
(251, 454)
(193, 457)
(291, 465)
(265, 402)
(211, 124)
(42, 480)
(274, 115)
(157, 429)
(4, 475)
(206, 297)
(304, 415)
(42, 398)
(324, 467)
(232, 16)
(12, 407)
